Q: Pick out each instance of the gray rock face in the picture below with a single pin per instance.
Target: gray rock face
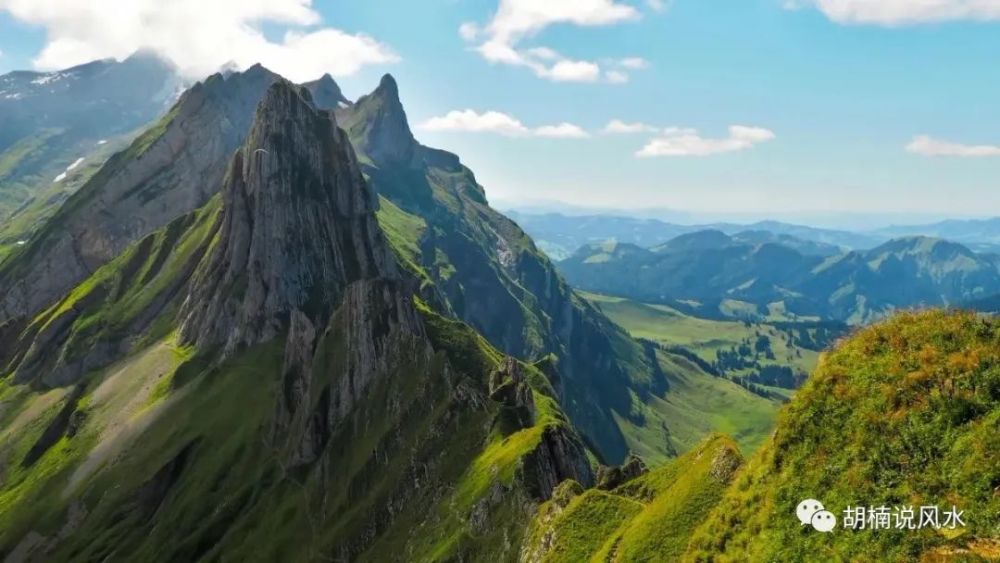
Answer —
(298, 227)
(172, 169)
(381, 114)
(611, 477)
(558, 457)
(326, 93)
(379, 334)
(508, 387)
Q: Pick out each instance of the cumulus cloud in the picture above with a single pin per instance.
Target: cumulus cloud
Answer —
(928, 146)
(617, 126)
(676, 141)
(471, 121)
(902, 12)
(517, 20)
(199, 37)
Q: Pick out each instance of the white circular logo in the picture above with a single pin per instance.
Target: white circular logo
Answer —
(806, 509)
(824, 521)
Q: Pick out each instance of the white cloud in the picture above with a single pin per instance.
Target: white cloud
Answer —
(471, 121)
(903, 12)
(675, 141)
(658, 5)
(468, 31)
(928, 146)
(617, 126)
(574, 71)
(517, 20)
(616, 77)
(561, 131)
(198, 36)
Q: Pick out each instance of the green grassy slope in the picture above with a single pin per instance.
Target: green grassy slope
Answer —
(650, 518)
(707, 337)
(906, 412)
(695, 405)
(169, 455)
(117, 308)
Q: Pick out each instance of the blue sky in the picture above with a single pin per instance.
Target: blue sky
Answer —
(830, 98)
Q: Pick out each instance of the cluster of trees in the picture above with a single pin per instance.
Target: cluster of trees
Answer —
(756, 353)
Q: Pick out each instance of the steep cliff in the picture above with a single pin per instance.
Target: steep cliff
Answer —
(480, 266)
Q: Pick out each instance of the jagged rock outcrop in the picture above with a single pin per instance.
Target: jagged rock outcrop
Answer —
(170, 170)
(610, 477)
(508, 387)
(381, 115)
(559, 456)
(298, 227)
(487, 272)
(326, 93)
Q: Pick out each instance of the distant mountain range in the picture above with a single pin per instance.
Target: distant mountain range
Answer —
(58, 128)
(560, 235)
(980, 235)
(711, 269)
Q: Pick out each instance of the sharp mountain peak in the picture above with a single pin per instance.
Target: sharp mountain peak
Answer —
(298, 226)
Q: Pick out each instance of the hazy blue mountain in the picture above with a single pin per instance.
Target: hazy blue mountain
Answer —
(981, 235)
(710, 267)
(561, 235)
(844, 239)
(57, 128)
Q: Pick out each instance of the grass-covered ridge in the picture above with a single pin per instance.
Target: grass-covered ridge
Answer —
(906, 412)
(650, 518)
(124, 305)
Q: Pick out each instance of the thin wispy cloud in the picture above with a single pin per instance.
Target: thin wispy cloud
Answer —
(902, 12)
(499, 123)
(619, 127)
(928, 146)
(678, 142)
(199, 37)
(499, 41)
